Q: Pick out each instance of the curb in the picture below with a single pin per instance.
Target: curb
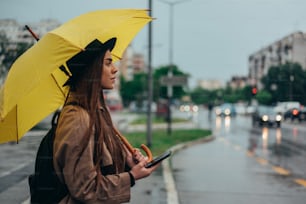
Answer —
(172, 195)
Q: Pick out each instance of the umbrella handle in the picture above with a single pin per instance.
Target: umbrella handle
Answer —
(131, 149)
(148, 152)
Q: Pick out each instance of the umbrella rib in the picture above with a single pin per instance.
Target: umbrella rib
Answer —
(17, 135)
(59, 87)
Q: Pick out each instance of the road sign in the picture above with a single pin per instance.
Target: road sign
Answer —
(174, 80)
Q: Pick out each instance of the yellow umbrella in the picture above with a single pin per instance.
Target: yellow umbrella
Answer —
(34, 88)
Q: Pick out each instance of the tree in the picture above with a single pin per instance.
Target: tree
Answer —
(133, 90)
(264, 97)
(202, 96)
(286, 83)
(136, 89)
(160, 91)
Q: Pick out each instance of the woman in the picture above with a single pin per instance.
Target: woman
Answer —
(88, 156)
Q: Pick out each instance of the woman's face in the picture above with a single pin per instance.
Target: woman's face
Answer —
(109, 72)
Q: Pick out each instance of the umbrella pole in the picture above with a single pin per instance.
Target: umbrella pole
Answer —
(131, 148)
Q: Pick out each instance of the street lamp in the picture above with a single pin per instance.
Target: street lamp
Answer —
(170, 71)
(150, 81)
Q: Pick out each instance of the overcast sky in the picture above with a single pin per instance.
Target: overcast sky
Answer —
(212, 38)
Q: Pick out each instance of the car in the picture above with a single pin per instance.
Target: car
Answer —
(250, 110)
(266, 116)
(189, 107)
(283, 107)
(162, 108)
(292, 114)
(302, 115)
(241, 108)
(226, 109)
(114, 104)
(295, 114)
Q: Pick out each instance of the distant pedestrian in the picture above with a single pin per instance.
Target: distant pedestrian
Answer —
(210, 107)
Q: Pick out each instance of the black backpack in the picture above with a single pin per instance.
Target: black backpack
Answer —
(45, 186)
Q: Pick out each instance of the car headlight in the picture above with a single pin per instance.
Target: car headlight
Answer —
(265, 118)
(278, 117)
(195, 108)
(227, 111)
(218, 111)
(182, 108)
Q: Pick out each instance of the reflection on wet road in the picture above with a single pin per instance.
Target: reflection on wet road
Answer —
(244, 164)
(284, 148)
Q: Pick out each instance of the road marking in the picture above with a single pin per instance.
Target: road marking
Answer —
(27, 201)
(302, 182)
(16, 168)
(281, 171)
(262, 161)
(250, 153)
(172, 195)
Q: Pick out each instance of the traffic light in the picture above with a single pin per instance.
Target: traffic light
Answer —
(254, 91)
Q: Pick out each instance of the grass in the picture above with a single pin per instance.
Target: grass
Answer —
(161, 141)
(158, 120)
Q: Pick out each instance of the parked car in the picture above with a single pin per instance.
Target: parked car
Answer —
(266, 116)
(226, 109)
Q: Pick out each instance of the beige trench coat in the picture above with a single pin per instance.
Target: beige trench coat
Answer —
(79, 172)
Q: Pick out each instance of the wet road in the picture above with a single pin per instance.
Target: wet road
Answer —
(243, 164)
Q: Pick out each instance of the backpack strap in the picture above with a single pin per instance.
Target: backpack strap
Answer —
(56, 114)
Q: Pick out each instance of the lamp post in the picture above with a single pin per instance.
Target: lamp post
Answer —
(170, 71)
(150, 83)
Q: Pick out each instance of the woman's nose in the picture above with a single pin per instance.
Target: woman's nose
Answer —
(114, 69)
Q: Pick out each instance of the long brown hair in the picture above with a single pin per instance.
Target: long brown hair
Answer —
(87, 88)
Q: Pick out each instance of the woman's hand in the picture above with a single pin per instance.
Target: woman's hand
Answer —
(137, 163)
(132, 160)
(139, 170)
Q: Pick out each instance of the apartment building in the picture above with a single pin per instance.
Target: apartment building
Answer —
(291, 48)
(16, 32)
(131, 63)
(210, 84)
(237, 82)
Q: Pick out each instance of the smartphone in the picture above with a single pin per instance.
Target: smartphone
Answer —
(158, 159)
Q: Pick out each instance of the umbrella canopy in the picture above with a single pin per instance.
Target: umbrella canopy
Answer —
(34, 88)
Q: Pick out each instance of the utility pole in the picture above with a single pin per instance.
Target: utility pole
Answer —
(150, 83)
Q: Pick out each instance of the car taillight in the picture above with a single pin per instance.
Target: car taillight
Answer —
(295, 112)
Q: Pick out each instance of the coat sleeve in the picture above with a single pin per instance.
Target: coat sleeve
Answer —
(76, 167)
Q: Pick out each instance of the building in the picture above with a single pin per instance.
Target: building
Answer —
(131, 63)
(12, 33)
(291, 48)
(210, 84)
(237, 82)
(16, 32)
